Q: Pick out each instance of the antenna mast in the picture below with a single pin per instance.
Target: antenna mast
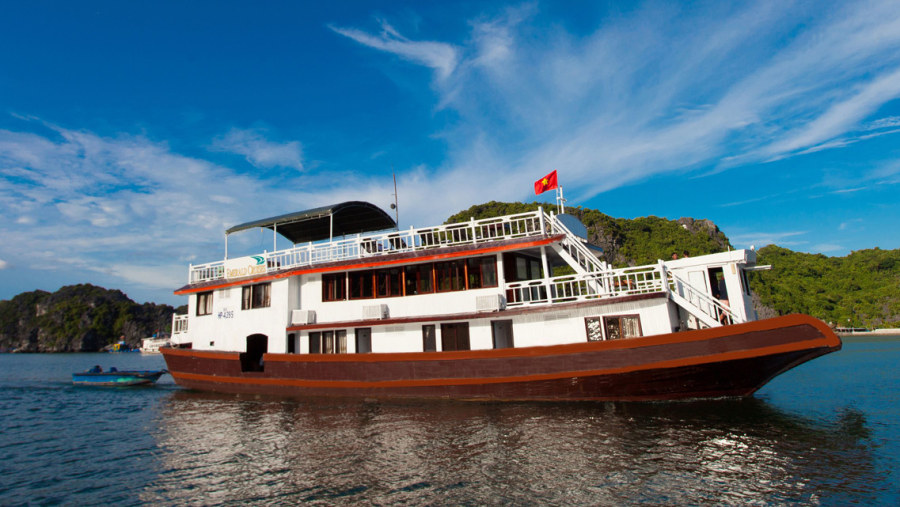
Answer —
(395, 204)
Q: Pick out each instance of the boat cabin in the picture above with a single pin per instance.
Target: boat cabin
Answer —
(352, 283)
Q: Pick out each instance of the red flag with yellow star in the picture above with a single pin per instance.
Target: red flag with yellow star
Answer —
(544, 184)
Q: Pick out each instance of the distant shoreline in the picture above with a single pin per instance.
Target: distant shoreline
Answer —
(872, 332)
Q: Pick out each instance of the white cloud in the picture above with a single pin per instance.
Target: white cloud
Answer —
(827, 247)
(439, 56)
(760, 239)
(259, 151)
(656, 90)
(3, 264)
(124, 206)
(849, 223)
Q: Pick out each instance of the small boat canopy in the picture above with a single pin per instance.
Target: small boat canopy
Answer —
(351, 217)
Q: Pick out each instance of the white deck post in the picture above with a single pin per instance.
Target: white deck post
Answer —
(541, 218)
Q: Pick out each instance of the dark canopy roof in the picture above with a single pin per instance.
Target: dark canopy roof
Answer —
(350, 217)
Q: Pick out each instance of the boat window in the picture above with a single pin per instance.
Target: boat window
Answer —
(328, 342)
(594, 327)
(363, 340)
(745, 282)
(502, 333)
(429, 343)
(256, 296)
(387, 283)
(334, 287)
(204, 303)
(622, 326)
(518, 268)
(361, 286)
(450, 275)
(419, 279)
(481, 272)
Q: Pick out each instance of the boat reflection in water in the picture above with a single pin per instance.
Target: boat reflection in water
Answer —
(226, 449)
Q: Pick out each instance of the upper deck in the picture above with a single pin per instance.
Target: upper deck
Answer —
(369, 246)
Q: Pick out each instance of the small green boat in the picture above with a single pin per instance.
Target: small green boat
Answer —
(97, 377)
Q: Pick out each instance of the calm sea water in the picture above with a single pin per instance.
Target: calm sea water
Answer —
(825, 433)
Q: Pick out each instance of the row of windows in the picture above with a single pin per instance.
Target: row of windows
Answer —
(455, 336)
(463, 274)
(252, 296)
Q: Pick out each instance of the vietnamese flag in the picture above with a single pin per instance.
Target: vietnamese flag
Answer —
(544, 184)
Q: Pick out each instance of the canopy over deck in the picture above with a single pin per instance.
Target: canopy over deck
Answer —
(351, 217)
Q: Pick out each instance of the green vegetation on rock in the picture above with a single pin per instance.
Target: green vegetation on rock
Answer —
(863, 287)
(625, 242)
(77, 318)
(859, 290)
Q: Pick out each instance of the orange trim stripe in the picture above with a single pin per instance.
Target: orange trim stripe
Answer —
(364, 265)
(828, 337)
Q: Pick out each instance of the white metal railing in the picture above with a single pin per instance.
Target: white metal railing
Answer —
(580, 253)
(443, 236)
(701, 301)
(179, 324)
(608, 284)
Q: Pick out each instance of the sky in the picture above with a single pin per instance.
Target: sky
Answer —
(132, 134)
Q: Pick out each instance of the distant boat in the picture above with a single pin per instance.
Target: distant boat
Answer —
(97, 377)
(121, 346)
(152, 345)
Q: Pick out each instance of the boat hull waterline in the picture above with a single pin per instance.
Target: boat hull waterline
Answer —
(728, 361)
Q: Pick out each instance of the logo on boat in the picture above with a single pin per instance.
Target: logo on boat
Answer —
(245, 266)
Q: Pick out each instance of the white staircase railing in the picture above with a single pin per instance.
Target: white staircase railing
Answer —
(579, 255)
(699, 303)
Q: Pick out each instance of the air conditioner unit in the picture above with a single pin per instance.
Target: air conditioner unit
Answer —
(299, 317)
(375, 312)
(490, 303)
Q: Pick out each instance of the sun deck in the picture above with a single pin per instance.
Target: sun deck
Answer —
(362, 246)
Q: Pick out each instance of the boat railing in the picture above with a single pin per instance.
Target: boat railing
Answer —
(358, 247)
(608, 284)
(702, 301)
(575, 247)
(179, 324)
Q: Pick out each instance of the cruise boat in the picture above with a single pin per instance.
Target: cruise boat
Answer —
(517, 307)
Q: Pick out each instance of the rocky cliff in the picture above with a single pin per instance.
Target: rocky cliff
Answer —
(77, 318)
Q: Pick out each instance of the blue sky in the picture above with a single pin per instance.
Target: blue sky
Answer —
(132, 134)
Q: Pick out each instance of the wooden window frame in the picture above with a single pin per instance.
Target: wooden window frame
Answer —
(334, 287)
(607, 318)
(359, 276)
(420, 272)
(330, 341)
(204, 303)
(258, 295)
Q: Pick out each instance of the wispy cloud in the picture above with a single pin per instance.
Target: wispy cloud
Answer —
(120, 206)
(3, 264)
(827, 247)
(760, 239)
(441, 57)
(848, 223)
(657, 90)
(259, 151)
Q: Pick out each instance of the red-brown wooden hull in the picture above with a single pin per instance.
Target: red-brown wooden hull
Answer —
(726, 361)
